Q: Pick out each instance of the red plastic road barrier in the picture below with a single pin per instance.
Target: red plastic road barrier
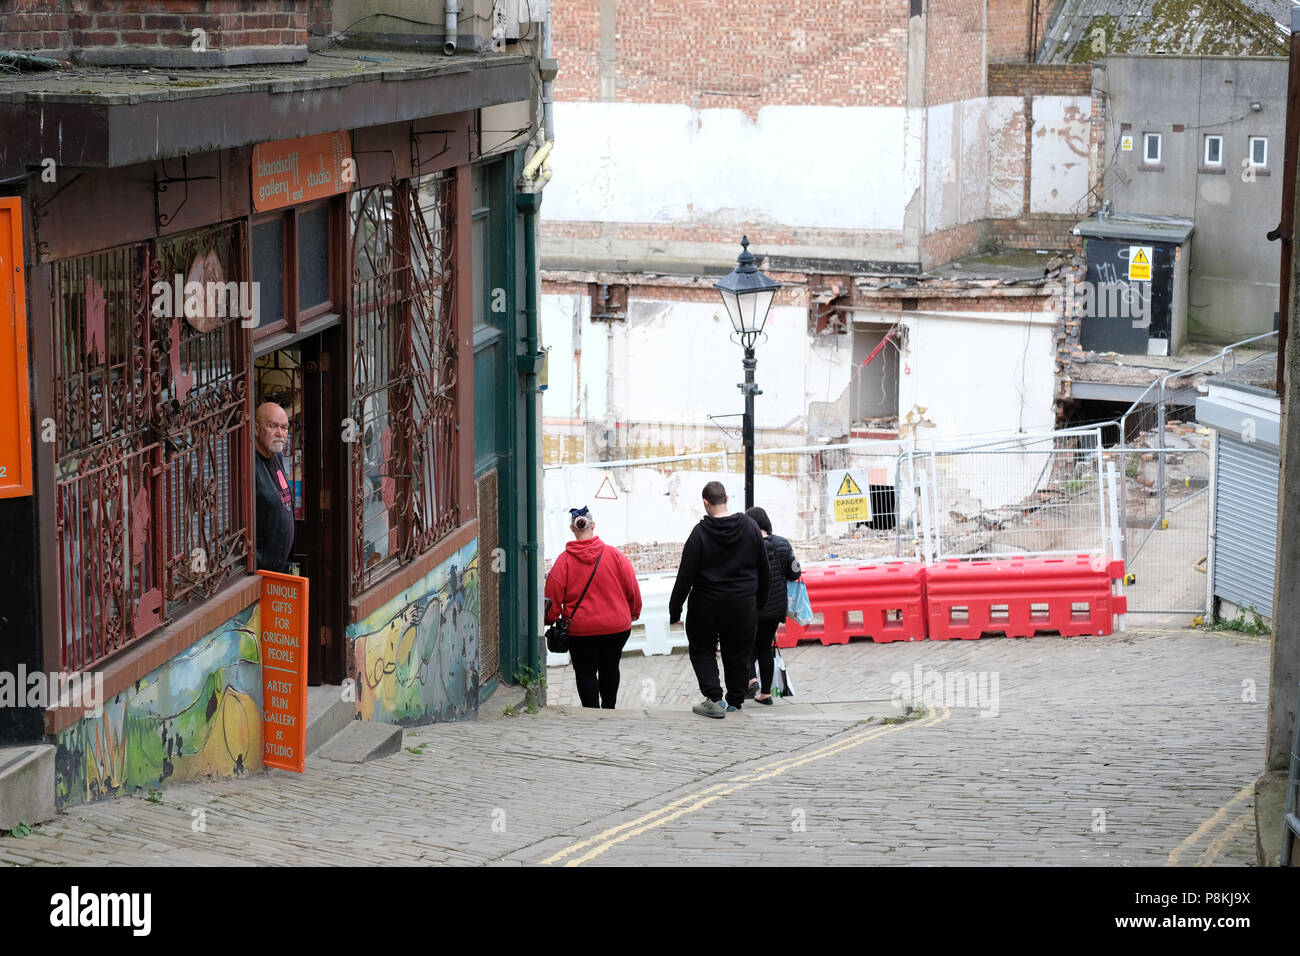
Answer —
(885, 602)
(1021, 597)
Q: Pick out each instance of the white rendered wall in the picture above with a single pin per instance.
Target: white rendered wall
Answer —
(956, 165)
(1006, 182)
(977, 373)
(675, 362)
(833, 167)
(1059, 164)
(566, 395)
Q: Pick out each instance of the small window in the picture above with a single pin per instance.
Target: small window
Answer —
(1151, 149)
(1214, 151)
(1258, 151)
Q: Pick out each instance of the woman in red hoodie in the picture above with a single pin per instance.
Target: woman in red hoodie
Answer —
(600, 626)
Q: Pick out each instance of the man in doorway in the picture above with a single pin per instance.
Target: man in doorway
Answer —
(724, 570)
(274, 493)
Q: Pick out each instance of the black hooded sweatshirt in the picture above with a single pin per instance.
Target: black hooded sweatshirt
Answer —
(724, 563)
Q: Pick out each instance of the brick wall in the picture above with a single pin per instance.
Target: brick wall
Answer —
(954, 50)
(645, 289)
(1008, 24)
(320, 20)
(737, 54)
(1039, 79)
(1066, 336)
(1033, 232)
(33, 26)
(1097, 147)
(68, 27)
(772, 235)
(992, 303)
(940, 247)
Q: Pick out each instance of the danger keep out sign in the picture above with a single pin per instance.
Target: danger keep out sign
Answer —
(848, 490)
(1139, 263)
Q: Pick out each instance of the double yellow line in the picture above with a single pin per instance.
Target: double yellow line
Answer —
(598, 844)
(1217, 845)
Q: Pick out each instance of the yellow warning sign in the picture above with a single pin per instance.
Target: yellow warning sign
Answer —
(848, 501)
(1139, 263)
(1126, 143)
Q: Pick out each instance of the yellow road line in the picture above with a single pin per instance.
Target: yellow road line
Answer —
(616, 835)
(1208, 825)
(1219, 843)
(632, 823)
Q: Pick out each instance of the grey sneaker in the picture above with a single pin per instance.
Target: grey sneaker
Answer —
(711, 708)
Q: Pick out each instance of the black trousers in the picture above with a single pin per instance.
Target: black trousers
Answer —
(732, 627)
(595, 660)
(765, 634)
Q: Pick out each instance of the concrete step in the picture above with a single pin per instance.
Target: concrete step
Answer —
(328, 712)
(363, 740)
(26, 785)
(507, 697)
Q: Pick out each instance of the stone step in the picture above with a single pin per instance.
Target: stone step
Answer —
(26, 785)
(363, 740)
(328, 712)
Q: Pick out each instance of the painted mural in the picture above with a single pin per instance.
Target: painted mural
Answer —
(415, 660)
(197, 715)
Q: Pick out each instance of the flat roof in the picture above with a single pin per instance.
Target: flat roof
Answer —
(99, 116)
(1134, 225)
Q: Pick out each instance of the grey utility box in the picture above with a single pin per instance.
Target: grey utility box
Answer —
(1135, 293)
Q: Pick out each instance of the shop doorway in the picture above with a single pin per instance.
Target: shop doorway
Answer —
(302, 378)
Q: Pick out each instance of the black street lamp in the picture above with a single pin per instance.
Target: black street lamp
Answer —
(747, 294)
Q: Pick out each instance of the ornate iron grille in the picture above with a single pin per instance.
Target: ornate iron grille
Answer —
(404, 381)
(202, 419)
(150, 438)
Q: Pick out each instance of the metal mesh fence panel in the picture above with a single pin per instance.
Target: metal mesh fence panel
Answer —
(831, 501)
(1034, 494)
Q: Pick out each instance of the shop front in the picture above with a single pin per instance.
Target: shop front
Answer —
(330, 274)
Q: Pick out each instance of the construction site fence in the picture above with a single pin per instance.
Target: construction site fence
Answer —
(910, 499)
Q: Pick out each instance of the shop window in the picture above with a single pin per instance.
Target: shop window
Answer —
(403, 372)
(151, 433)
(292, 251)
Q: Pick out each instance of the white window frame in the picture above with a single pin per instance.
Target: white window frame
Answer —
(1250, 151)
(1206, 154)
(1147, 139)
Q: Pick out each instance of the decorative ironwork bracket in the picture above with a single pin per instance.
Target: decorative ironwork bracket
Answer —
(160, 184)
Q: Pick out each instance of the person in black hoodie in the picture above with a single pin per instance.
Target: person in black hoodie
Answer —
(724, 570)
(783, 566)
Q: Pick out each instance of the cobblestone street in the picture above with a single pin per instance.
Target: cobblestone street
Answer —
(1136, 748)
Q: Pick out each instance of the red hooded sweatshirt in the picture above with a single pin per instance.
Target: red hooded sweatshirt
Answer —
(613, 601)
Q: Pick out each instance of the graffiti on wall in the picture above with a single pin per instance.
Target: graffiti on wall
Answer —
(415, 660)
(197, 715)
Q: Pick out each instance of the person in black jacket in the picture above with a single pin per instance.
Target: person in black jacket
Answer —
(274, 492)
(724, 571)
(783, 566)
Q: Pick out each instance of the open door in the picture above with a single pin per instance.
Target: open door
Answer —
(300, 378)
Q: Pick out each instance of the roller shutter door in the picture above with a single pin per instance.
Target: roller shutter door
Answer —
(1246, 523)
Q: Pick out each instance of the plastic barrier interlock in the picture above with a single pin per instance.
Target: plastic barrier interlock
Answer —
(885, 602)
(1021, 597)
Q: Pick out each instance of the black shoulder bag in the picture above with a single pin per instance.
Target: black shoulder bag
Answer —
(557, 635)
